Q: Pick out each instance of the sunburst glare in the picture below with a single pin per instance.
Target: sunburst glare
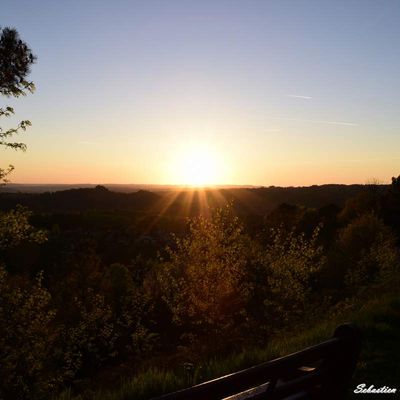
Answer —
(198, 165)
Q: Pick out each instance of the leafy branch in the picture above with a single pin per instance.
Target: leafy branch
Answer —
(16, 59)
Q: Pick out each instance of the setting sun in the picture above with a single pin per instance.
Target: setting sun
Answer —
(198, 166)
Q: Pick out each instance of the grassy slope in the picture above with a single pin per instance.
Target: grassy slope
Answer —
(380, 359)
(376, 312)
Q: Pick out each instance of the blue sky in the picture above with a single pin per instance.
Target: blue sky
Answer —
(280, 92)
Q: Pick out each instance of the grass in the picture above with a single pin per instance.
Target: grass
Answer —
(378, 316)
(379, 363)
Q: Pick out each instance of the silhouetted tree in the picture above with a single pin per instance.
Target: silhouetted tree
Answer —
(395, 183)
(101, 188)
(15, 61)
(201, 283)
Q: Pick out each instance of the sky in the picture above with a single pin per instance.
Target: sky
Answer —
(271, 92)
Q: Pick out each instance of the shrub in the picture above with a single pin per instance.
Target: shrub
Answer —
(15, 228)
(27, 340)
(368, 251)
(281, 276)
(201, 282)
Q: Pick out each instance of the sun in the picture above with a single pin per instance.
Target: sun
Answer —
(198, 166)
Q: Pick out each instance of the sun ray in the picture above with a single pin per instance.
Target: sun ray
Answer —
(188, 202)
(162, 207)
(204, 207)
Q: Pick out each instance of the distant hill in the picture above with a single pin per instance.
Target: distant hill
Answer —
(116, 187)
(259, 201)
(181, 201)
(98, 198)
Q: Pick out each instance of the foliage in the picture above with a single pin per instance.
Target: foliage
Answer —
(368, 251)
(217, 278)
(282, 274)
(15, 61)
(90, 340)
(217, 286)
(15, 228)
(26, 339)
(377, 315)
(129, 305)
(366, 202)
(103, 322)
(201, 281)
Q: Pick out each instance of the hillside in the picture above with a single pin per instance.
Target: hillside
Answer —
(185, 202)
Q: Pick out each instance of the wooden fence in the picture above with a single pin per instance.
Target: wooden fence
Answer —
(321, 372)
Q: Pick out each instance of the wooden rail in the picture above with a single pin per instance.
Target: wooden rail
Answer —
(321, 372)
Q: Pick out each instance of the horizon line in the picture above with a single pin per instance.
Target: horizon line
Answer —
(194, 186)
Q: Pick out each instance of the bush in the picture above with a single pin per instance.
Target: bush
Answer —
(368, 251)
(201, 282)
(27, 340)
(281, 277)
(15, 228)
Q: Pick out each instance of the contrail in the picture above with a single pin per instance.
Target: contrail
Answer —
(296, 96)
(317, 121)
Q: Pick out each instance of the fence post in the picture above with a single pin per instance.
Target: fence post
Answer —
(343, 362)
